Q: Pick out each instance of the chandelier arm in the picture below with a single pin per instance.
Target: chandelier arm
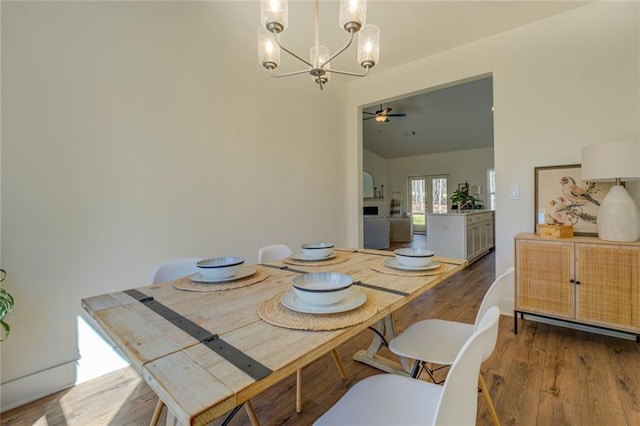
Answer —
(346, 46)
(351, 73)
(287, 74)
(277, 37)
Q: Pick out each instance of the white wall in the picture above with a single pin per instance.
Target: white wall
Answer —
(559, 84)
(132, 134)
(460, 166)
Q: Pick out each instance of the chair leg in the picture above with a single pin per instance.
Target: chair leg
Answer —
(343, 373)
(299, 391)
(487, 399)
(156, 413)
(248, 407)
(415, 371)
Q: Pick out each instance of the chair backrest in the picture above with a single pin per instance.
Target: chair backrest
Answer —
(458, 402)
(494, 295)
(174, 269)
(273, 253)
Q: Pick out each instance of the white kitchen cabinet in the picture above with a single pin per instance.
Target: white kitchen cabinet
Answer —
(465, 235)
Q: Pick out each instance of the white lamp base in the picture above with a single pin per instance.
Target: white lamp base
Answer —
(618, 216)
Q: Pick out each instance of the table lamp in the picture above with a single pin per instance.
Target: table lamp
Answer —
(619, 215)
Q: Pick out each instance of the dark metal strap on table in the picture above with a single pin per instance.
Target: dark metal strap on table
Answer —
(284, 268)
(235, 356)
(377, 287)
(389, 254)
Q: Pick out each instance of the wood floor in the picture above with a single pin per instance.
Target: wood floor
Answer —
(545, 375)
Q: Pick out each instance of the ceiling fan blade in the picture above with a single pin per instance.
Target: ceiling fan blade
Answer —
(386, 111)
(399, 114)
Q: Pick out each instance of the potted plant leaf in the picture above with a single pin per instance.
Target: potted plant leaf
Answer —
(6, 308)
(463, 199)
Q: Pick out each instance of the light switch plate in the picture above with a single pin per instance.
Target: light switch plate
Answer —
(514, 192)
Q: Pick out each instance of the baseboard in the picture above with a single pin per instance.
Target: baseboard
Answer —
(37, 385)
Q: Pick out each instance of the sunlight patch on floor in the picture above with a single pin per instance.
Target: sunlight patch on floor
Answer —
(97, 357)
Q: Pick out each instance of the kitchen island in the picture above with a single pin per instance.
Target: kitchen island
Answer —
(468, 234)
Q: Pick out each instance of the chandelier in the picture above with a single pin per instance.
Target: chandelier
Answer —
(273, 19)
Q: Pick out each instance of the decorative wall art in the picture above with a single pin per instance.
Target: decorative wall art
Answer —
(562, 198)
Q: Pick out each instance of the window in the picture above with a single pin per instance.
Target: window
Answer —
(439, 194)
(491, 184)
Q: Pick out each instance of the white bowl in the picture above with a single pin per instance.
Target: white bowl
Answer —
(416, 257)
(322, 288)
(317, 250)
(220, 267)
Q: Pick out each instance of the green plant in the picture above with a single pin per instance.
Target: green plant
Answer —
(6, 308)
(463, 199)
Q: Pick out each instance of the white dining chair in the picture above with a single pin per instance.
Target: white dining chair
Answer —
(273, 253)
(391, 399)
(169, 271)
(436, 341)
(174, 269)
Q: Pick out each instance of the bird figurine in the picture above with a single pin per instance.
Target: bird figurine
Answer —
(574, 193)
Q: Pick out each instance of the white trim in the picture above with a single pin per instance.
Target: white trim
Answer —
(34, 386)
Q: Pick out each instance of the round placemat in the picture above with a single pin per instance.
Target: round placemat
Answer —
(186, 284)
(275, 313)
(378, 265)
(340, 257)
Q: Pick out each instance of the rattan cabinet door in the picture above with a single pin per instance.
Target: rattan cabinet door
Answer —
(544, 271)
(609, 290)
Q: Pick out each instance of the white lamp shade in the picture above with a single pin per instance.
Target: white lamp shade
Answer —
(604, 162)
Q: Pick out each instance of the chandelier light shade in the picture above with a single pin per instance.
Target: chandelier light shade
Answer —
(268, 49)
(617, 161)
(353, 13)
(274, 14)
(274, 20)
(368, 42)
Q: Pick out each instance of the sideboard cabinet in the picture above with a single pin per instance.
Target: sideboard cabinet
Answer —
(582, 280)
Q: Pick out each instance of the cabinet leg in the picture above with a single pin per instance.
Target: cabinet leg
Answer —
(515, 322)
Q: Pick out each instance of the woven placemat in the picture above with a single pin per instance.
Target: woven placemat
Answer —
(340, 257)
(188, 285)
(378, 265)
(275, 313)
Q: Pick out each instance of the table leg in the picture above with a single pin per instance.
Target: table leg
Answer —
(299, 391)
(370, 356)
(156, 413)
(171, 418)
(253, 418)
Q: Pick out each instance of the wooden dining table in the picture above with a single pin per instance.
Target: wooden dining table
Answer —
(206, 349)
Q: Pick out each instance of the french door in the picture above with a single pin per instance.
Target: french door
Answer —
(428, 195)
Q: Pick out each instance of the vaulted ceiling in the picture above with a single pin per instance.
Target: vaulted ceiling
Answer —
(450, 119)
